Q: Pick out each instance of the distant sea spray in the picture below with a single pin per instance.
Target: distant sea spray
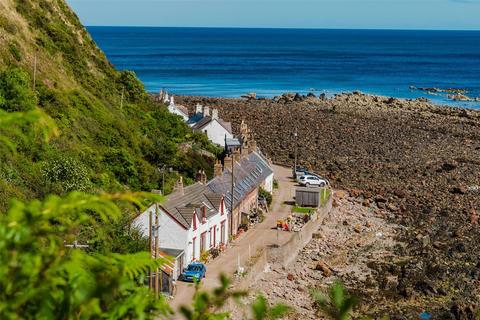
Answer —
(232, 62)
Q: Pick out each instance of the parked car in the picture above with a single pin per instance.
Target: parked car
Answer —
(299, 171)
(310, 180)
(195, 271)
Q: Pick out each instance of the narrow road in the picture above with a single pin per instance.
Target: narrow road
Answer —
(259, 237)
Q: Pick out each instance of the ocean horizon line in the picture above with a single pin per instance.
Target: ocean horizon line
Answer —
(278, 28)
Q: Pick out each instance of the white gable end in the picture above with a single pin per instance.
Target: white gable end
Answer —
(216, 132)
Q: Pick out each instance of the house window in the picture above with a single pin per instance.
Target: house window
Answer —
(222, 207)
(194, 244)
(203, 242)
(211, 237)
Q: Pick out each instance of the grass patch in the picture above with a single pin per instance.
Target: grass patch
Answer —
(303, 210)
(325, 196)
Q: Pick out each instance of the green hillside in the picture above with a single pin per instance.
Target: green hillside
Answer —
(105, 143)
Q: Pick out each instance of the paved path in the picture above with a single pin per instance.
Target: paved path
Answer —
(248, 243)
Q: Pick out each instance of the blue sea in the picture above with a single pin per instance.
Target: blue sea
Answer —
(229, 62)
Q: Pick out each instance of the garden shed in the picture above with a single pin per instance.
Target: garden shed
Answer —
(308, 196)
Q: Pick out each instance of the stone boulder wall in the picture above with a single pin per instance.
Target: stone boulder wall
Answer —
(420, 161)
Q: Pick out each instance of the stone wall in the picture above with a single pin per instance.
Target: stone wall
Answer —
(284, 254)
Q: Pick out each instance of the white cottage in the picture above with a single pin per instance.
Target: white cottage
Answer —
(215, 128)
(179, 110)
(192, 220)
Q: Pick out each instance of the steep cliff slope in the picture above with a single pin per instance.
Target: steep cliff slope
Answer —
(112, 136)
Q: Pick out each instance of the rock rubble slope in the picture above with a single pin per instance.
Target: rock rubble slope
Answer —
(420, 162)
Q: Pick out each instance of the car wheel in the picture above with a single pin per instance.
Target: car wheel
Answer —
(307, 184)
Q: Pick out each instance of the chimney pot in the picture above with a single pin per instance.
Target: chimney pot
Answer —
(214, 113)
(236, 155)
(217, 169)
(227, 163)
(206, 111)
(198, 108)
(179, 186)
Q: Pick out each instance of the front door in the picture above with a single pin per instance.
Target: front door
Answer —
(194, 244)
(222, 232)
(203, 242)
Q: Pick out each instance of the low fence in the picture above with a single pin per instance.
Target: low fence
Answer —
(288, 252)
(285, 254)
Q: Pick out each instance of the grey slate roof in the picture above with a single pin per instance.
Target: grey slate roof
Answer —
(249, 173)
(194, 198)
(233, 142)
(199, 121)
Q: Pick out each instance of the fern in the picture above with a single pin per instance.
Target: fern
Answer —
(41, 278)
(338, 304)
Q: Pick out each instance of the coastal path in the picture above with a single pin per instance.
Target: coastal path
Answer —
(261, 236)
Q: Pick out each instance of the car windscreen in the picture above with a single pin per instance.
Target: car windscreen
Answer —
(194, 268)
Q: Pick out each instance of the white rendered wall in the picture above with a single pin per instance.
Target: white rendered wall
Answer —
(213, 221)
(171, 234)
(268, 183)
(216, 132)
(174, 110)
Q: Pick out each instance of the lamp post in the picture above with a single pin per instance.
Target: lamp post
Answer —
(296, 147)
(233, 193)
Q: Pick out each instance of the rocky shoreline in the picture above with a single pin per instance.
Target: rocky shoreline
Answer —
(420, 161)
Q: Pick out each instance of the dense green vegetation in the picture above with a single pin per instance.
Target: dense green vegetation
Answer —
(67, 136)
(105, 143)
(42, 276)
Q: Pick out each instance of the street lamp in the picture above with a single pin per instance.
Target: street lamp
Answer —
(296, 147)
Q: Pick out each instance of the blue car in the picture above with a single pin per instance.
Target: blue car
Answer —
(194, 272)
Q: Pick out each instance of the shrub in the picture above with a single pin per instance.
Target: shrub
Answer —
(275, 184)
(15, 91)
(66, 174)
(122, 164)
(134, 90)
(15, 51)
(265, 194)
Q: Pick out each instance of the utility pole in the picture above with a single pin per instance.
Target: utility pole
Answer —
(233, 193)
(156, 248)
(150, 247)
(296, 147)
(35, 71)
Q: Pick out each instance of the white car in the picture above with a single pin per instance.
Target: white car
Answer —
(309, 180)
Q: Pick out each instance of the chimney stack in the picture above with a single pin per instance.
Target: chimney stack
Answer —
(198, 108)
(236, 155)
(179, 186)
(206, 111)
(252, 146)
(201, 177)
(227, 163)
(198, 176)
(245, 150)
(214, 114)
(217, 169)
